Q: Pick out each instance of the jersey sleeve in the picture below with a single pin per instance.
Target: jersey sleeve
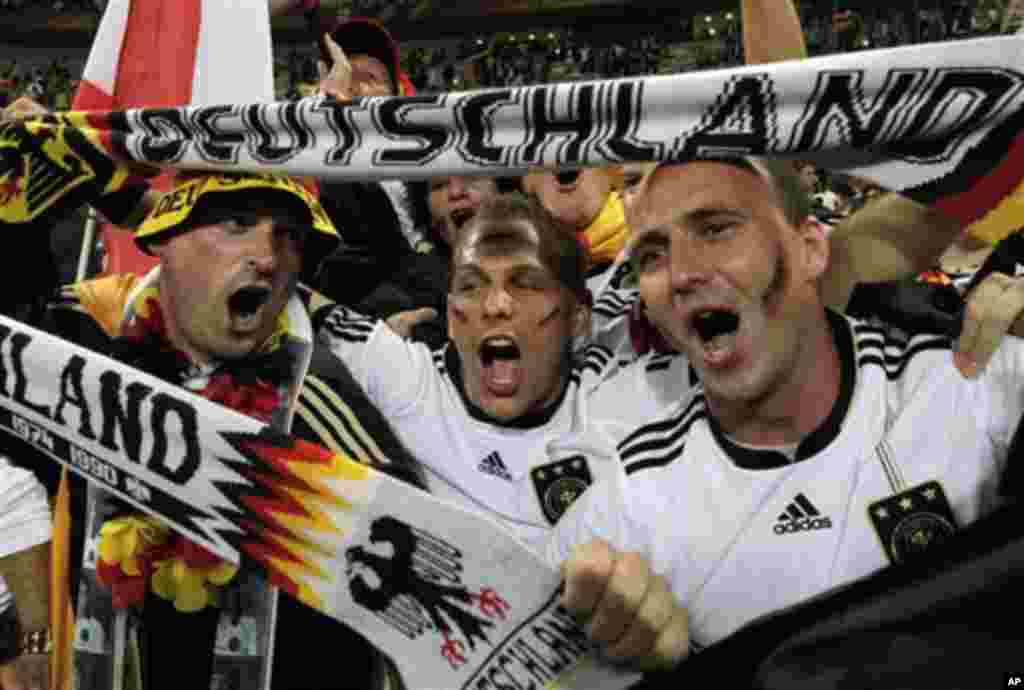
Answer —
(24, 510)
(1004, 384)
(395, 373)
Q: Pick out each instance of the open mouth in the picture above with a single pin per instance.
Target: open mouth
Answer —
(501, 360)
(461, 216)
(246, 305)
(717, 330)
(568, 178)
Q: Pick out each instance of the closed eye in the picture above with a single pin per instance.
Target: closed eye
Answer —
(631, 181)
(649, 258)
(718, 228)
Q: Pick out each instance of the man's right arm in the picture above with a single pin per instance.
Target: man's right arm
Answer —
(393, 372)
(771, 32)
(890, 238)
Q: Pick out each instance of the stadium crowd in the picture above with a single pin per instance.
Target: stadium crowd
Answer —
(489, 333)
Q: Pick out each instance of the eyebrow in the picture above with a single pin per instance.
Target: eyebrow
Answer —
(656, 235)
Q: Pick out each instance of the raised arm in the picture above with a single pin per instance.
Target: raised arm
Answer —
(890, 238)
(771, 31)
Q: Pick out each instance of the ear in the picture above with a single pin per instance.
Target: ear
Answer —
(158, 248)
(455, 316)
(581, 319)
(815, 246)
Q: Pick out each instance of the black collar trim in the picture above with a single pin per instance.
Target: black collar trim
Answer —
(530, 420)
(817, 440)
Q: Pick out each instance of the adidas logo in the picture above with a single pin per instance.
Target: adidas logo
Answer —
(800, 516)
(493, 465)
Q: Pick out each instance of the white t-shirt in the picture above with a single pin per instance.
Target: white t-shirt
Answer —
(741, 532)
(25, 519)
(526, 473)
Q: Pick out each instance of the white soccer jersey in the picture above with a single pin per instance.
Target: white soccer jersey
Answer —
(614, 298)
(525, 474)
(644, 390)
(741, 532)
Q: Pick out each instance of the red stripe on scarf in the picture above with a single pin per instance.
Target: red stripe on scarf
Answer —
(988, 191)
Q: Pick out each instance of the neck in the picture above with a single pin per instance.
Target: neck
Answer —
(799, 403)
(172, 329)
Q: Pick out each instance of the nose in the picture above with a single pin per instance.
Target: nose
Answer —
(688, 268)
(266, 243)
(497, 303)
(458, 188)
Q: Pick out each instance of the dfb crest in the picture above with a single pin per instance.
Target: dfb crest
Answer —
(418, 588)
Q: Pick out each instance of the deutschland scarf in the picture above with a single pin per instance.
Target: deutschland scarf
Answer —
(940, 123)
(137, 552)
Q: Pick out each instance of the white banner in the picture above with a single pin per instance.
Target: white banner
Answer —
(930, 120)
(450, 596)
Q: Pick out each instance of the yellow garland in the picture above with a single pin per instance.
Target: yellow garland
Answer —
(124, 539)
(191, 589)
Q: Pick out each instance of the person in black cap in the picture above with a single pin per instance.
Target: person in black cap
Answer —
(387, 262)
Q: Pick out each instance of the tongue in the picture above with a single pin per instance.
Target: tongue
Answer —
(502, 376)
(721, 350)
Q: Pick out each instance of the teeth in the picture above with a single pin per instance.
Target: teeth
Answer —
(718, 343)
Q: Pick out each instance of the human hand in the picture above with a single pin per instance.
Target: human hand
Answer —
(629, 612)
(21, 108)
(335, 80)
(993, 308)
(403, 322)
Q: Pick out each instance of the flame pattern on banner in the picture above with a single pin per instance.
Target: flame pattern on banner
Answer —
(282, 510)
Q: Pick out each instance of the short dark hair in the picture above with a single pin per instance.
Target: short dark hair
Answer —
(781, 175)
(559, 249)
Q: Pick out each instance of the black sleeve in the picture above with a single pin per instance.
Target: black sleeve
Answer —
(117, 206)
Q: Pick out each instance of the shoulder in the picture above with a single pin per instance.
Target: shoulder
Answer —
(334, 410)
(594, 360)
(342, 323)
(660, 442)
(646, 387)
(894, 350)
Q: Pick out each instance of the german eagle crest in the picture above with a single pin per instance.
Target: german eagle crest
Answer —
(418, 588)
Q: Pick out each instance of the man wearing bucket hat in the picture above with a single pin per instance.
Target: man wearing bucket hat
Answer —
(222, 315)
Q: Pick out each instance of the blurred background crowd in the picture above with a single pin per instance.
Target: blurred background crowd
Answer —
(515, 44)
(556, 48)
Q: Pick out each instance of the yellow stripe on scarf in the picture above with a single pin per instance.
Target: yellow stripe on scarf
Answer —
(1001, 221)
(607, 235)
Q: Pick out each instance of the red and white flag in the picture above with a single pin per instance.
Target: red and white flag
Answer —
(163, 53)
(156, 53)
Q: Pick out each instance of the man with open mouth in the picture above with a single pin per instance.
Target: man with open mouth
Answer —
(804, 449)
(223, 316)
(498, 417)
